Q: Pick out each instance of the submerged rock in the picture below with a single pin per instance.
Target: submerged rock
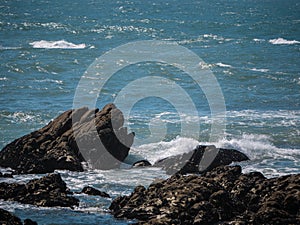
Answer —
(7, 218)
(49, 191)
(221, 196)
(93, 191)
(68, 140)
(201, 159)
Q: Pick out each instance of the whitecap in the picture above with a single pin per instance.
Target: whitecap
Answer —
(9, 48)
(260, 70)
(62, 44)
(49, 80)
(258, 40)
(282, 41)
(223, 65)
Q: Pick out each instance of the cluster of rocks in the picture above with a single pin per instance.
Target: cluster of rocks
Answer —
(221, 196)
(56, 146)
(49, 191)
(214, 194)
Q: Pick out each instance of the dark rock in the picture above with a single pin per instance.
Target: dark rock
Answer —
(221, 196)
(29, 222)
(141, 163)
(73, 137)
(6, 175)
(201, 159)
(7, 218)
(48, 191)
(93, 191)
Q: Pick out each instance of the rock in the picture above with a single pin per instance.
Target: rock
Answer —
(223, 195)
(93, 191)
(48, 191)
(6, 175)
(141, 163)
(7, 218)
(29, 222)
(68, 140)
(201, 159)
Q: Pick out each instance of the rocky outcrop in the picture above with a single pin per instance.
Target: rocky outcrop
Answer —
(73, 137)
(7, 218)
(201, 159)
(93, 191)
(49, 191)
(221, 196)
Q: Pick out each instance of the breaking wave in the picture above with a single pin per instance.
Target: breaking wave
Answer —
(62, 44)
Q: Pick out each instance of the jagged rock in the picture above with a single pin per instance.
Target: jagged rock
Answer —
(221, 196)
(201, 159)
(93, 191)
(7, 218)
(49, 191)
(68, 140)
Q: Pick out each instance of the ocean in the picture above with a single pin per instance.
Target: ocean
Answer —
(250, 48)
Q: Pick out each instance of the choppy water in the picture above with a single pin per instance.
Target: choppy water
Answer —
(252, 47)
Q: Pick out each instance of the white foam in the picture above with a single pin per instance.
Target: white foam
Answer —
(50, 81)
(260, 70)
(163, 149)
(223, 65)
(258, 40)
(263, 115)
(22, 117)
(62, 44)
(9, 48)
(282, 41)
(3, 78)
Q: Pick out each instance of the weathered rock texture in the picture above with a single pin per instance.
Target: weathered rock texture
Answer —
(221, 196)
(71, 138)
(201, 159)
(7, 218)
(49, 191)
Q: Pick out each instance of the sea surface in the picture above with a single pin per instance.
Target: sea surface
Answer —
(251, 47)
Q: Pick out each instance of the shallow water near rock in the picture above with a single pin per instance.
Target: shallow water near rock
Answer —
(251, 47)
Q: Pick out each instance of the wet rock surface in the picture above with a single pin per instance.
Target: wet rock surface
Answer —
(221, 196)
(201, 159)
(93, 191)
(56, 146)
(48, 191)
(141, 163)
(7, 218)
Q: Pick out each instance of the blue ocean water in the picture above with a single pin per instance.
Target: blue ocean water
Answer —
(252, 48)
